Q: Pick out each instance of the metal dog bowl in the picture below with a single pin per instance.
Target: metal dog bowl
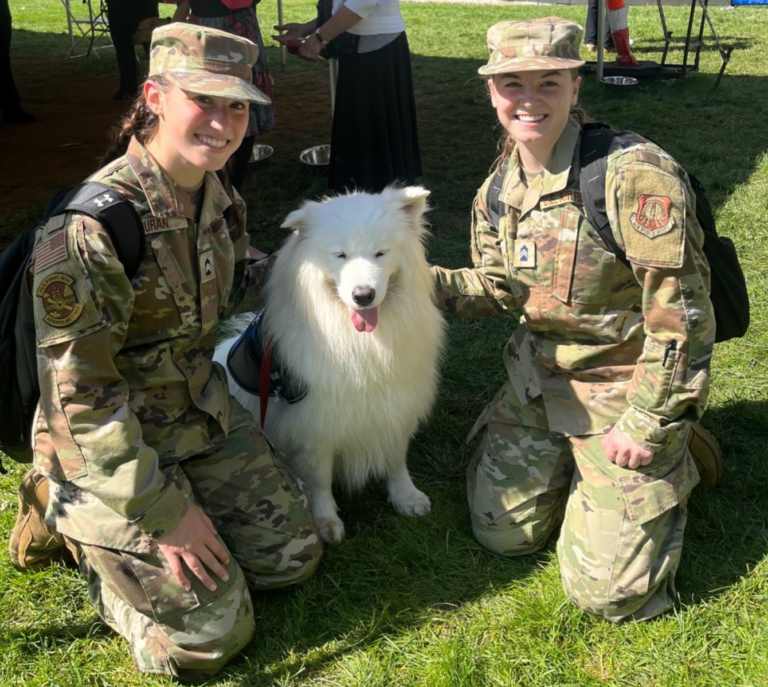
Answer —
(316, 157)
(260, 152)
(620, 80)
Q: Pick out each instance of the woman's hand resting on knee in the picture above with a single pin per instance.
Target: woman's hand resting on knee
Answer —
(194, 541)
(624, 452)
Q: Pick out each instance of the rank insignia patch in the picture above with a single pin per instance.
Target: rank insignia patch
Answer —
(59, 300)
(652, 217)
(207, 267)
(524, 255)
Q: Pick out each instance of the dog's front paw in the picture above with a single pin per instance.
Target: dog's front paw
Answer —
(331, 528)
(413, 503)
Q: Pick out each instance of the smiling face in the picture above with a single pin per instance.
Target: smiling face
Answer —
(196, 133)
(533, 106)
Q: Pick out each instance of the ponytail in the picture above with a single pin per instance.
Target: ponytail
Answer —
(139, 121)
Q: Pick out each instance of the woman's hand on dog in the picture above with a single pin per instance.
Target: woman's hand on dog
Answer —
(195, 541)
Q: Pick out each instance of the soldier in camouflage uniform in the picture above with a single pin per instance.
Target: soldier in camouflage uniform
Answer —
(150, 461)
(608, 364)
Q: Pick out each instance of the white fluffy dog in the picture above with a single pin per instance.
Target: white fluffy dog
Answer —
(350, 314)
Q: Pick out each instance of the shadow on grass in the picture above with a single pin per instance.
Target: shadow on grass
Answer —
(727, 532)
(677, 45)
(40, 634)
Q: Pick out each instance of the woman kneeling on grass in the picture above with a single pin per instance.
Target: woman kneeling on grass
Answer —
(610, 362)
(163, 486)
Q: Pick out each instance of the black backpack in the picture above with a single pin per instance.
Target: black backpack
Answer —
(20, 388)
(730, 298)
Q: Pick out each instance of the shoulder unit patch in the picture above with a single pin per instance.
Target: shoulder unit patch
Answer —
(59, 300)
(652, 214)
(652, 217)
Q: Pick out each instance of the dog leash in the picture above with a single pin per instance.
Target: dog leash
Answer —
(265, 373)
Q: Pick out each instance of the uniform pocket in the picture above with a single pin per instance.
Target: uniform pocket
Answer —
(583, 269)
(166, 298)
(648, 496)
(650, 536)
(143, 582)
(654, 375)
(155, 313)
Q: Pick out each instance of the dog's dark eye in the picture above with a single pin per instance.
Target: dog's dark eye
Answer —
(341, 256)
(381, 254)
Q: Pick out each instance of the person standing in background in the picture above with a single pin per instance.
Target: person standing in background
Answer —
(590, 32)
(237, 17)
(374, 141)
(124, 17)
(10, 103)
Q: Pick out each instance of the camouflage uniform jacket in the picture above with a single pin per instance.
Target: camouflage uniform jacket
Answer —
(127, 382)
(601, 343)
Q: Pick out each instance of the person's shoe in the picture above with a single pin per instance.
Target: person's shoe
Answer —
(18, 117)
(33, 544)
(706, 454)
(591, 47)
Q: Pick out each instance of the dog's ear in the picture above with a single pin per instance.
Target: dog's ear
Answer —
(414, 200)
(297, 220)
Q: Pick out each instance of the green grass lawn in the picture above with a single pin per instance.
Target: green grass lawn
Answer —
(418, 602)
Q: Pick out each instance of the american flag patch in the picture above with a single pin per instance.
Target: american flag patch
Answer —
(51, 251)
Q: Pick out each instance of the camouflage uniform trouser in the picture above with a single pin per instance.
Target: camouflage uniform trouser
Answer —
(262, 515)
(622, 529)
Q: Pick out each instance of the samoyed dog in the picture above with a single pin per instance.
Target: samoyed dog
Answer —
(350, 316)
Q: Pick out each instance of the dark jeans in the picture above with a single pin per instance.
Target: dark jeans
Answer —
(590, 33)
(124, 17)
(9, 96)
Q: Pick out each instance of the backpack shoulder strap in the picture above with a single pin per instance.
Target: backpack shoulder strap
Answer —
(492, 203)
(116, 213)
(596, 140)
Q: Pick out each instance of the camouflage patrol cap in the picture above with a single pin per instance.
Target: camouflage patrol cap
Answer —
(205, 61)
(524, 46)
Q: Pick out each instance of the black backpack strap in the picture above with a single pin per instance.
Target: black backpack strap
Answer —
(596, 139)
(493, 205)
(116, 214)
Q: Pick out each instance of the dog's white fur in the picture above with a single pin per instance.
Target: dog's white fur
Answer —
(368, 391)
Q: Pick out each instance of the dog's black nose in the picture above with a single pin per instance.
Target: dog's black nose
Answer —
(363, 295)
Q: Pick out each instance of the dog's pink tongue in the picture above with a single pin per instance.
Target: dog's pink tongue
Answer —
(365, 320)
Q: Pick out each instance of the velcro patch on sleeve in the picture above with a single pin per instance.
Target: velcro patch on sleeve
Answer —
(65, 303)
(59, 300)
(652, 215)
(51, 251)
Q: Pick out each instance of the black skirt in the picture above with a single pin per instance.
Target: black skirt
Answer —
(375, 141)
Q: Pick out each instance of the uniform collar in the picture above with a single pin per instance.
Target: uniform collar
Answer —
(555, 177)
(165, 198)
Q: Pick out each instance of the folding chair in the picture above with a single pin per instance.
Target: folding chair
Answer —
(87, 29)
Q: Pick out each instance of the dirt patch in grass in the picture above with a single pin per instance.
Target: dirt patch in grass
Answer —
(75, 113)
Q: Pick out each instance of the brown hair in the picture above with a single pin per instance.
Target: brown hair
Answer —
(139, 121)
(507, 143)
